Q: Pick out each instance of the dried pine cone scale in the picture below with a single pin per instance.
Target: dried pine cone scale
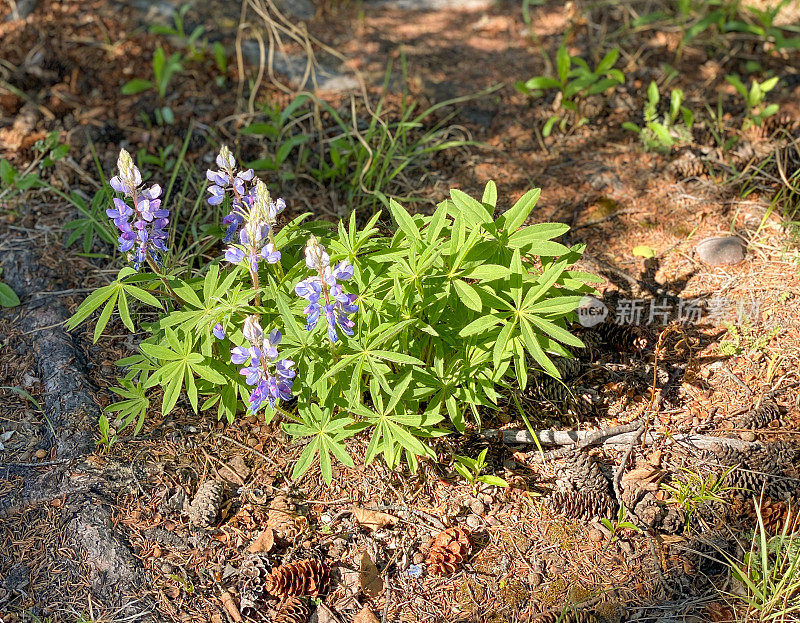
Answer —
(449, 550)
(293, 611)
(583, 505)
(205, 506)
(760, 416)
(304, 577)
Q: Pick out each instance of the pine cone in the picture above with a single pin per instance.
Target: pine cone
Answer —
(774, 514)
(583, 505)
(687, 165)
(284, 519)
(205, 506)
(623, 337)
(449, 549)
(572, 616)
(293, 611)
(782, 121)
(760, 416)
(581, 472)
(252, 574)
(304, 577)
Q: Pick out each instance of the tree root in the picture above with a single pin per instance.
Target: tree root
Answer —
(117, 577)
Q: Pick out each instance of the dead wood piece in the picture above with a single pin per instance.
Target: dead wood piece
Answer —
(117, 577)
(617, 437)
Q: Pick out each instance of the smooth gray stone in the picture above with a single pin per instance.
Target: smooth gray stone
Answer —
(301, 9)
(432, 5)
(721, 250)
(293, 66)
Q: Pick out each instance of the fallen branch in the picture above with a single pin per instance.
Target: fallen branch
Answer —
(619, 436)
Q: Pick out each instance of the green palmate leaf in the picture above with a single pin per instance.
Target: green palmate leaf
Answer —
(481, 325)
(105, 315)
(473, 211)
(404, 220)
(517, 214)
(90, 304)
(467, 294)
(490, 194)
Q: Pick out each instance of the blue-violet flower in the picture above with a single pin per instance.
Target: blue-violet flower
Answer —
(335, 303)
(255, 238)
(271, 377)
(147, 231)
(227, 178)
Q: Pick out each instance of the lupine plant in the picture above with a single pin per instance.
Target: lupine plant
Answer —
(401, 337)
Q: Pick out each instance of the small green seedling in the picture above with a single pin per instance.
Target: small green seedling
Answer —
(694, 491)
(107, 437)
(754, 99)
(8, 298)
(673, 129)
(619, 524)
(575, 81)
(163, 70)
(471, 470)
(190, 42)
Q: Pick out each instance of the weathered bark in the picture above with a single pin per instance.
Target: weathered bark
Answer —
(117, 577)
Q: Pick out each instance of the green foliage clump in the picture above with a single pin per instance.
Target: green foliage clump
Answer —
(575, 82)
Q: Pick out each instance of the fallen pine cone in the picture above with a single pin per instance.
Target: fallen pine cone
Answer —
(449, 549)
(293, 611)
(583, 504)
(304, 577)
(205, 506)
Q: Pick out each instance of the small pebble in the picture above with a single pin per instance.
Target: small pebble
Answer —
(748, 435)
(625, 547)
(477, 507)
(41, 453)
(721, 250)
(494, 521)
(473, 521)
(534, 579)
(595, 535)
(418, 558)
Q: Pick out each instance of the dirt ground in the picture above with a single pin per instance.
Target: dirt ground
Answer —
(94, 534)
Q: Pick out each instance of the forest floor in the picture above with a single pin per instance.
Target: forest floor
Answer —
(705, 357)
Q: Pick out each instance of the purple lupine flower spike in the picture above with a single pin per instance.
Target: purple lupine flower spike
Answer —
(218, 331)
(228, 180)
(271, 378)
(255, 238)
(336, 305)
(147, 232)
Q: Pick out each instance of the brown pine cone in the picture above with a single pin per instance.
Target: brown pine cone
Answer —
(449, 549)
(572, 616)
(583, 504)
(205, 506)
(687, 165)
(582, 472)
(760, 416)
(293, 611)
(304, 577)
(782, 121)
